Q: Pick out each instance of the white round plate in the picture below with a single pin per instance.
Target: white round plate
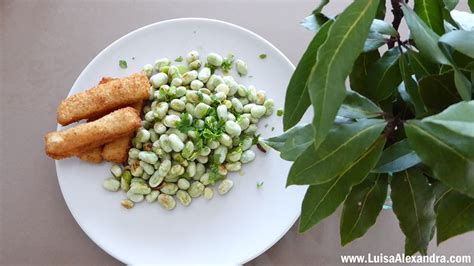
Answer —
(233, 228)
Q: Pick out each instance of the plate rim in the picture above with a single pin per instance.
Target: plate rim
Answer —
(127, 35)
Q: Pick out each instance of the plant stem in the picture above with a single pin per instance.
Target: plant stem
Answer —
(397, 19)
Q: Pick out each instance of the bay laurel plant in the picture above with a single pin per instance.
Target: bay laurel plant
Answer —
(391, 115)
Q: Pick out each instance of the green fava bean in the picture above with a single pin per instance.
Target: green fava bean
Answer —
(204, 74)
(169, 188)
(201, 110)
(232, 128)
(148, 70)
(143, 135)
(148, 157)
(183, 184)
(215, 59)
(196, 189)
(233, 167)
(111, 184)
(153, 196)
(158, 80)
(269, 106)
(156, 179)
(140, 189)
(137, 171)
(148, 168)
(166, 201)
(258, 111)
(195, 65)
(192, 56)
(127, 204)
(183, 197)
(241, 67)
(225, 186)
(124, 185)
(222, 112)
(161, 63)
(208, 193)
(247, 156)
(135, 197)
(243, 122)
(178, 105)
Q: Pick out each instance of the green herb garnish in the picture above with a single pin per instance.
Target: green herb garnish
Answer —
(227, 63)
(279, 112)
(211, 67)
(262, 56)
(179, 59)
(185, 124)
(123, 64)
(260, 185)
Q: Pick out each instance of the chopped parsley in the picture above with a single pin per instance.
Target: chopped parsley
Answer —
(262, 56)
(266, 125)
(185, 124)
(179, 59)
(211, 67)
(123, 64)
(260, 185)
(273, 128)
(280, 112)
(227, 63)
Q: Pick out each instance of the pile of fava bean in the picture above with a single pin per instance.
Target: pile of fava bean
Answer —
(198, 126)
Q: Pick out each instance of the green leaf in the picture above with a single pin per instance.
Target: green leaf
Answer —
(430, 11)
(123, 64)
(450, 4)
(384, 76)
(458, 118)
(374, 41)
(293, 142)
(455, 216)
(411, 86)
(297, 97)
(344, 144)
(420, 66)
(321, 5)
(356, 106)
(381, 10)
(314, 22)
(470, 3)
(398, 157)
(334, 62)
(438, 91)
(440, 191)
(460, 40)
(426, 40)
(322, 200)
(449, 154)
(383, 27)
(413, 204)
(362, 206)
(358, 77)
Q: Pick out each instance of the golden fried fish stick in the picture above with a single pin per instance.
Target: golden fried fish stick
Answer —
(95, 155)
(117, 150)
(72, 141)
(103, 98)
(92, 156)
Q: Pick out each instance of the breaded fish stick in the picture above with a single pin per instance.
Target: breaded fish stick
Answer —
(73, 141)
(92, 156)
(103, 98)
(117, 150)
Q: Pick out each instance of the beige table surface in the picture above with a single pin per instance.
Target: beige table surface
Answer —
(44, 45)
